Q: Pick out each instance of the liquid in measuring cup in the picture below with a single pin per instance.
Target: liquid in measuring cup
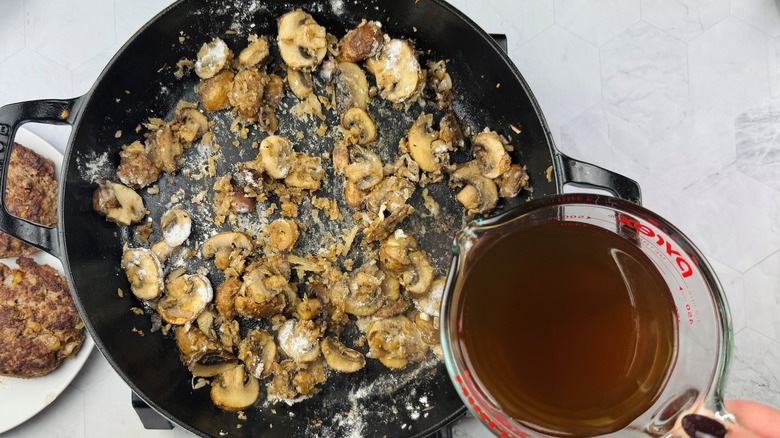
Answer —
(568, 326)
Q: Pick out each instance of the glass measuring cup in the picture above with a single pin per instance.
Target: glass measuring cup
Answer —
(694, 381)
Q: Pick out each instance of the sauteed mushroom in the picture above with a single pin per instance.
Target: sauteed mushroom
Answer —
(234, 390)
(366, 170)
(302, 41)
(394, 251)
(512, 181)
(450, 131)
(359, 125)
(397, 71)
(118, 203)
(480, 194)
(308, 308)
(225, 298)
(190, 123)
(421, 143)
(144, 273)
(263, 293)
(282, 234)
(417, 279)
(306, 172)
(361, 43)
(168, 150)
(430, 303)
(492, 158)
(276, 155)
(258, 352)
(256, 53)
(228, 249)
(395, 341)
(185, 297)
(246, 92)
(214, 91)
(300, 83)
(299, 340)
(191, 341)
(136, 169)
(211, 362)
(365, 295)
(212, 58)
(340, 358)
(350, 87)
(176, 226)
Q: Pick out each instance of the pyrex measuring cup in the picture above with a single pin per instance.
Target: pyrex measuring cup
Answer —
(696, 377)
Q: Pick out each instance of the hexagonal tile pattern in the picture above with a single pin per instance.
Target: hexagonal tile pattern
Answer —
(764, 14)
(720, 220)
(84, 76)
(684, 19)
(28, 75)
(64, 417)
(11, 28)
(523, 21)
(762, 288)
(95, 369)
(728, 66)
(596, 22)
(45, 29)
(563, 72)
(758, 146)
(754, 371)
(138, 13)
(644, 79)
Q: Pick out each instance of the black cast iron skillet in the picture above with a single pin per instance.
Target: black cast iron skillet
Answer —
(139, 83)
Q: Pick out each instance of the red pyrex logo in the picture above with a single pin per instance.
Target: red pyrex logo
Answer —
(682, 264)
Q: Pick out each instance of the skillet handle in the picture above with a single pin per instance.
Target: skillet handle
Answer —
(579, 172)
(56, 112)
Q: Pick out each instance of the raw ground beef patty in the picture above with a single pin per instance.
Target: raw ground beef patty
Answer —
(39, 324)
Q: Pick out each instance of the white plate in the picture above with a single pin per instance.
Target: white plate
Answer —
(20, 399)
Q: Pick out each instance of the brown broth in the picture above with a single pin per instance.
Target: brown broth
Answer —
(569, 327)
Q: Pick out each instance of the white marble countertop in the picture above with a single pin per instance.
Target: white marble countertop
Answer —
(681, 95)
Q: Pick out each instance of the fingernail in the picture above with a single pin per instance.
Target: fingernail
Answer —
(699, 426)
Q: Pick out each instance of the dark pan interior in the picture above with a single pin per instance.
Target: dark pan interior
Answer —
(139, 83)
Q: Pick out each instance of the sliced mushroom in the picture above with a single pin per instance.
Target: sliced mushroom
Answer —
(144, 273)
(162, 250)
(185, 297)
(276, 154)
(361, 43)
(302, 42)
(228, 249)
(176, 226)
(256, 53)
(300, 83)
(390, 194)
(258, 352)
(383, 225)
(395, 341)
(340, 156)
(429, 331)
(350, 87)
(365, 295)
(191, 341)
(405, 167)
(417, 279)
(450, 131)
(366, 170)
(274, 92)
(430, 303)
(393, 308)
(282, 234)
(421, 143)
(299, 340)
(118, 203)
(211, 362)
(234, 390)
(359, 125)
(306, 172)
(492, 158)
(168, 151)
(480, 194)
(136, 168)
(212, 58)
(308, 308)
(394, 251)
(226, 296)
(246, 92)
(512, 181)
(190, 123)
(397, 71)
(353, 195)
(214, 91)
(340, 358)
(263, 293)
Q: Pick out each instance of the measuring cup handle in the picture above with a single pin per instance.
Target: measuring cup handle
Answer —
(572, 171)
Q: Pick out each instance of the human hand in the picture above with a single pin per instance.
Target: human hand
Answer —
(755, 421)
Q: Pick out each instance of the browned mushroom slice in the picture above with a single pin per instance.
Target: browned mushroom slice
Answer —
(176, 226)
(513, 181)
(359, 126)
(450, 131)
(274, 91)
(299, 340)
(340, 156)
(300, 83)
(385, 223)
(211, 362)
(306, 172)
(428, 327)
(418, 277)
(395, 341)
(308, 308)
(340, 358)
(228, 249)
(191, 340)
(246, 92)
(492, 158)
(276, 155)
(430, 303)
(350, 87)
(234, 390)
(256, 53)
(214, 91)
(302, 42)
(424, 145)
(118, 203)
(480, 194)
(361, 43)
(226, 296)
(144, 273)
(185, 297)
(365, 295)
(168, 151)
(366, 170)
(264, 293)
(392, 192)
(397, 71)
(136, 168)
(394, 251)
(258, 352)
(212, 58)
(189, 122)
(282, 234)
